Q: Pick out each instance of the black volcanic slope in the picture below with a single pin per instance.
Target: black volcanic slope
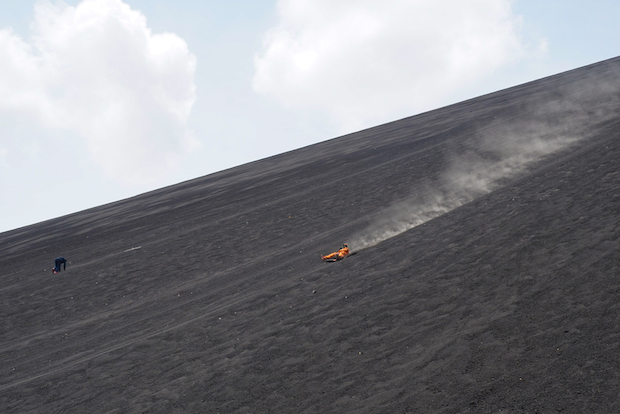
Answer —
(495, 286)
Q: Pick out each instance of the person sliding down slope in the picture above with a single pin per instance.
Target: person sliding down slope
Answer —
(339, 255)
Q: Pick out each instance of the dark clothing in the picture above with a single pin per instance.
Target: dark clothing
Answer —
(59, 261)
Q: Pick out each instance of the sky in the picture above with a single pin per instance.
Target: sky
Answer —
(102, 100)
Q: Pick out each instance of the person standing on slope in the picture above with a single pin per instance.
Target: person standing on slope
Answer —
(59, 261)
(339, 255)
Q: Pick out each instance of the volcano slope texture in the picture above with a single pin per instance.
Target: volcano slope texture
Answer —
(483, 277)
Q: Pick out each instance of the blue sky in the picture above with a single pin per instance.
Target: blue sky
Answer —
(102, 99)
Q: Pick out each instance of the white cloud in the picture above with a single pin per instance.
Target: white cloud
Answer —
(97, 72)
(364, 61)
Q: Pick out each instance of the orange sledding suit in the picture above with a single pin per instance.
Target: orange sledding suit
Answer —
(339, 255)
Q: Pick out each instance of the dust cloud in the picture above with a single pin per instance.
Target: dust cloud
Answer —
(496, 153)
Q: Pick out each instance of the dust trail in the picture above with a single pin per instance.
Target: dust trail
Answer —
(496, 153)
